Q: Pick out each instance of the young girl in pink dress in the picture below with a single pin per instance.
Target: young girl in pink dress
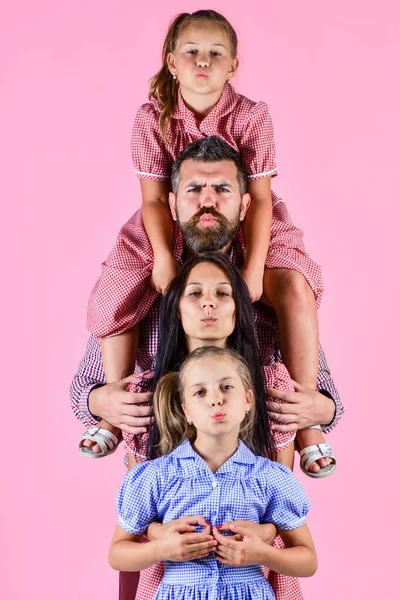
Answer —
(192, 97)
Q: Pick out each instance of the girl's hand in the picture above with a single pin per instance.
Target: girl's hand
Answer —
(254, 280)
(164, 270)
(158, 531)
(178, 544)
(267, 532)
(244, 548)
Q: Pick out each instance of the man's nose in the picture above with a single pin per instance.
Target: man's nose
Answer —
(208, 200)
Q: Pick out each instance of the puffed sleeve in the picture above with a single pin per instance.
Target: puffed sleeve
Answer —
(147, 147)
(287, 503)
(257, 144)
(138, 497)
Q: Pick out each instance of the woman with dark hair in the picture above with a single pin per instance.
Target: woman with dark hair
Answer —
(172, 348)
(206, 304)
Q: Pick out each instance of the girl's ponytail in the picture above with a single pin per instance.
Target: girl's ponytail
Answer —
(163, 87)
(170, 418)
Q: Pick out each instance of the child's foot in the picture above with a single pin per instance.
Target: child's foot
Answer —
(312, 437)
(94, 447)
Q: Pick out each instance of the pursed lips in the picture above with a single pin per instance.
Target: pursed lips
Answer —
(218, 416)
(208, 320)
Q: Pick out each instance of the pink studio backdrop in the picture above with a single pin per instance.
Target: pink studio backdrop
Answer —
(73, 75)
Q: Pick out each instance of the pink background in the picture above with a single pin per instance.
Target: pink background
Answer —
(73, 76)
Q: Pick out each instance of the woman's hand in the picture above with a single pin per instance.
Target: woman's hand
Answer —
(267, 532)
(243, 548)
(178, 542)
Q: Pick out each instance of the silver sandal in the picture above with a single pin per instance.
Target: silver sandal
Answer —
(107, 441)
(312, 453)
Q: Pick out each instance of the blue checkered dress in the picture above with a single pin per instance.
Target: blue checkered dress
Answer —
(181, 484)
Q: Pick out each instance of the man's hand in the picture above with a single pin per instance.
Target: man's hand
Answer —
(267, 532)
(299, 409)
(177, 541)
(114, 404)
(244, 548)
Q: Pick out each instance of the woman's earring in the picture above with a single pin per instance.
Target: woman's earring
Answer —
(229, 81)
(173, 76)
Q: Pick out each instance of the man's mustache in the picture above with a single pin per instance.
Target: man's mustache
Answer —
(207, 211)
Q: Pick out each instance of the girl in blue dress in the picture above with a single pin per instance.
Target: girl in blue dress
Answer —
(206, 478)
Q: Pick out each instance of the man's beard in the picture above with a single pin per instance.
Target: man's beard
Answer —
(212, 238)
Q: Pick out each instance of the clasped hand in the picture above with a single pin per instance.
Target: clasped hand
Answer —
(180, 542)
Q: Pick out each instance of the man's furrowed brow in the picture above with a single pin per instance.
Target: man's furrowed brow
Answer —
(195, 184)
(202, 184)
(222, 184)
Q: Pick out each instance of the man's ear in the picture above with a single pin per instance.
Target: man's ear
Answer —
(246, 200)
(172, 205)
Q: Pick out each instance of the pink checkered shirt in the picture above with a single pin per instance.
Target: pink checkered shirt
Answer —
(244, 124)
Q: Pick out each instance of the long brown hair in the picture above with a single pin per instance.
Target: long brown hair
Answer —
(162, 86)
(168, 399)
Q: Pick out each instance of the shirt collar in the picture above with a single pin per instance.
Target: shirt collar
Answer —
(228, 100)
(242, 455)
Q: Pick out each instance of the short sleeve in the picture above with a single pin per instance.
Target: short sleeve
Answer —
(287, 503)
(257, 144)
(138, 497)
(147, 147)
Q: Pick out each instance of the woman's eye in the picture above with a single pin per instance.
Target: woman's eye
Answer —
(198, 393)
(195, 293)
(215, 53)
(223, 294)
(192, 51)
(227, 387)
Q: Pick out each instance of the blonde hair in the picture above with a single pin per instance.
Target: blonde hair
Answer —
(162, 86)
(168, 398)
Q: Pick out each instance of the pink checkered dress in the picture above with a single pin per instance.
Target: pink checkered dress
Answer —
(246, 126)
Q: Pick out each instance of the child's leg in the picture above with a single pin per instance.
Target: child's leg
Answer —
(119, 354)
(119, 357)
(294, 304)
(286, 456)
